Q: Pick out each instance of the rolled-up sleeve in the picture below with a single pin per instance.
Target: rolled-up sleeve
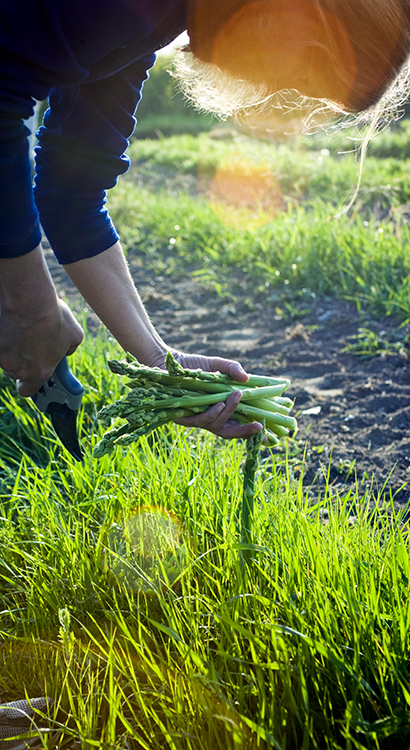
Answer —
(19, 223)
(80, 155)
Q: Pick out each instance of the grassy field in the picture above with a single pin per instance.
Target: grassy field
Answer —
(123, 592)
(293, 233)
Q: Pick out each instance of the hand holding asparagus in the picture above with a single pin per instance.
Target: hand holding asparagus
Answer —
(157, 396)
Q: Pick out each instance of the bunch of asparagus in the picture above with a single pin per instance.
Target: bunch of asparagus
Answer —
(157, 397)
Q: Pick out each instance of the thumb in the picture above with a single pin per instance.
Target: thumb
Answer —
(231, 368)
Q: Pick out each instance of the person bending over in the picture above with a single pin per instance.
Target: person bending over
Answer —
(90, 58)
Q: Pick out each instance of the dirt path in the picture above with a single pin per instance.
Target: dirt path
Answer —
(353, 414)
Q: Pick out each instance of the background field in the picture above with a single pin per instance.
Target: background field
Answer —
(122, 591)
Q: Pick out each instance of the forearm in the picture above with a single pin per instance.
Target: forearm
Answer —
(36, 328)
(106, 284)
(26, 287)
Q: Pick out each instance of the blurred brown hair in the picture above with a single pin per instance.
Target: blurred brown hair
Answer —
(344, 51)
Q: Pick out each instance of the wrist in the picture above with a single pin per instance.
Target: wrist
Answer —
(153, 356)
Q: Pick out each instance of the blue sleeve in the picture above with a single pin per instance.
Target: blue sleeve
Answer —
(80, 155)
(19, 224)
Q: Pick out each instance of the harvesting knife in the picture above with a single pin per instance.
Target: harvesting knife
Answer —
(60, 397)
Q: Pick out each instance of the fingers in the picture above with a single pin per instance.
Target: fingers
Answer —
(30, 353)
(228, 367)
(217, 419)
(28, 378)
(27, 388)
(29, 381)
(225, 412)
(213, 364)
(233, 430)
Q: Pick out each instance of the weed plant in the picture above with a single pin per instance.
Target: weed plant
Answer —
(124, 599)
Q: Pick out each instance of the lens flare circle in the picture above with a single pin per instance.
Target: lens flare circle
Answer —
(245, 194)
(146, 548)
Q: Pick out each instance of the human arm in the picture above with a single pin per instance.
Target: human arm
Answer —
(106, 284)
(36, 328)
(80, 155)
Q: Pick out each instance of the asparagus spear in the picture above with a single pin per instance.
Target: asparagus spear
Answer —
(253, 445)
(157, 397)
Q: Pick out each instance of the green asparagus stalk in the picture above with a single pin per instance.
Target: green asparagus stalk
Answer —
(174, 368)
(188, 400)
(253, 445)
(271, 418)
(156, 375)
(157, 397)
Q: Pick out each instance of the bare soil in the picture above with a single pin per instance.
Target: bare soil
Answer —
(353, 413)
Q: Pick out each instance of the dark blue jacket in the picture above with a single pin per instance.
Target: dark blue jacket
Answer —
(90, 57)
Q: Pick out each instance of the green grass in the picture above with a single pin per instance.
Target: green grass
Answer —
(295, 238)
(363, 260)
(124, 598)
(163, 111)
(123, 592)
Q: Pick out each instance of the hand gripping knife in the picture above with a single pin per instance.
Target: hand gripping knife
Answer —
(60, 397)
